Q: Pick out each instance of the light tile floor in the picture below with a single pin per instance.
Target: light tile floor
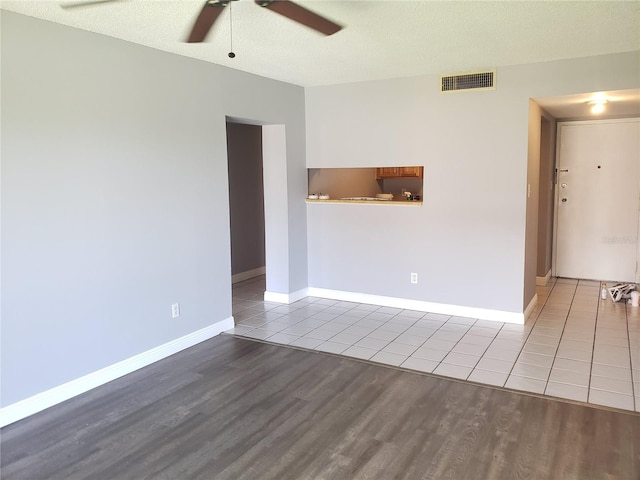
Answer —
(574, 345)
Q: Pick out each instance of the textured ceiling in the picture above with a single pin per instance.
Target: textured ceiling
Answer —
(381, 39)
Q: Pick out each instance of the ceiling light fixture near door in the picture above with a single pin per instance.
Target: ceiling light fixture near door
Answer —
(597, 106)
(597, 103)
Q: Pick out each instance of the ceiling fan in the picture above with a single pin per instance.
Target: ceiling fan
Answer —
(213, 8)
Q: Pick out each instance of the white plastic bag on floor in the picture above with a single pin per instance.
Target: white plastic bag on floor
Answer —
(621, 291)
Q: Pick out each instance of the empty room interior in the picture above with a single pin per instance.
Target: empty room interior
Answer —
(319, 239)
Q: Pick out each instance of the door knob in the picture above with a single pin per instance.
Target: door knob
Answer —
(564, 200)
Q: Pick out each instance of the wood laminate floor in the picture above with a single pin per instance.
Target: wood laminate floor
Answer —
(232, 408)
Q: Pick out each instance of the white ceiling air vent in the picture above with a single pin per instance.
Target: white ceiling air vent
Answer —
(485, 80)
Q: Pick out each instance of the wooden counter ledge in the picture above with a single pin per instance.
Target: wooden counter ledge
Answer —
(370, 202)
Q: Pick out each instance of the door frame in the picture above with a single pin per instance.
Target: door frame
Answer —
(556, 192)
(276, 209)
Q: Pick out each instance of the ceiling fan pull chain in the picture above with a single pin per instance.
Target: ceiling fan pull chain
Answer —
(231, 54)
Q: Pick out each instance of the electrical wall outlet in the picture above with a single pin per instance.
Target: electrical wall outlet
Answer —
(414, 278)
(175, 310)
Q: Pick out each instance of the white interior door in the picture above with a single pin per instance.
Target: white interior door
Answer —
(598, 200)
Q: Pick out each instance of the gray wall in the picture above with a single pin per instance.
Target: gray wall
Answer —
(469, 241)
(114, 198)
(246, 197)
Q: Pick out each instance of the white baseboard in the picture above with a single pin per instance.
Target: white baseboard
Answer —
(531, 306)
(443, 308)
(41, 401)
(542, 281)
(256, 272)
(286, 297)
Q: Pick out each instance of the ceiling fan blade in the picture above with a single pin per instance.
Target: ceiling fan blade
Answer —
(208, 15)
(301, 15)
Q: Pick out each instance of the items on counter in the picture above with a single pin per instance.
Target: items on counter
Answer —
(385, 196)
(379, 197)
